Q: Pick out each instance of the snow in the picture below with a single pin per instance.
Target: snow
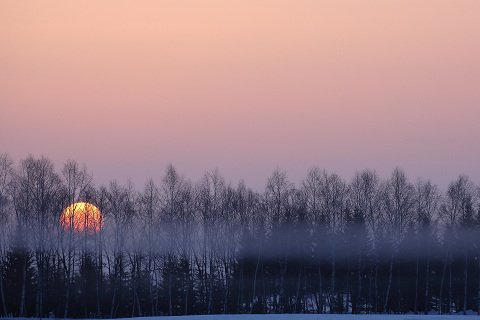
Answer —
(299, 317)
(312, 317)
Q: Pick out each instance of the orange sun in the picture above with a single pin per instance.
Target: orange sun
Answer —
(81, 216)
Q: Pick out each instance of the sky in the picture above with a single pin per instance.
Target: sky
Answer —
(245, 87)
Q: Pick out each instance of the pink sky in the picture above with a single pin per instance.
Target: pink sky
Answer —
(127, 87)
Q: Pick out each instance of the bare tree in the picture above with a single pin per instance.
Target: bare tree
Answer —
(365, 198)
(278, 197)
(398, 203)
(253, 227)
(179, 248)
(334, 193)
(176, 218)
(76, 181)
(312, 187)
(119, 212)
(457, 214)
(427, 202)
(149, 204)
(209, 197)
(6, 172)
(38, 190)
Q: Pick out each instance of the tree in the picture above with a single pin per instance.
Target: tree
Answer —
(312, 187)
(278, 197)
(37, 198)
(76, 181)
(182, 248)
(457, 214)
(6, 172)
(209, 198)
(149, 212)
(365, 199)
(333, 204)
(427, 202)
(119, 211)
(19, 274)
(176, 219)
(397, 214)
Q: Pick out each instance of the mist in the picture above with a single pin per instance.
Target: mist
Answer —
(369, 244)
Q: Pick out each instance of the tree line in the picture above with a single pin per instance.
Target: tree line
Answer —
(176, 247)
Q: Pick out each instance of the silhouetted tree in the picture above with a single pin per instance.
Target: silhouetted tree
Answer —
(397, 214)
(178, 247)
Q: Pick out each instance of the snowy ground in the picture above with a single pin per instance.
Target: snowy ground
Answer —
(312, 317)
(302, 317)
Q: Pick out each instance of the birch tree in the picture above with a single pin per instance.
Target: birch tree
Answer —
(457, 214)
(76, 180)
(278, 196)
(365, 199)
(6, 171)
(397, 215)
(427, 202)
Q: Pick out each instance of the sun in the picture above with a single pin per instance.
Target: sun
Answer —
(81, 216)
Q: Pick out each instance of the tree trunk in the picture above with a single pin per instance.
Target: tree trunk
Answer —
(112, 307)
(186, 288)
(320, 289)
(282, 300)
(450, 287)
(465, 283)
(210, 286)
(332, 283)
(97, 287)
(151, 277)
(2, 295)
(39, 297)
(359, 279)
(227, 288)
(255, 282)
(478, 290)
(416, 286)
(297, 294)
(375, 291)
(305, 298)
(389, 285)
(67, 299)
(427, 284)
(69, 270)
(369, 305)
(444, 271)
(263, 289)
(170, 305)
(240, 289)
(22, 295)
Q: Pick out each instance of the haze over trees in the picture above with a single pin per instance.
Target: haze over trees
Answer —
(175, 247)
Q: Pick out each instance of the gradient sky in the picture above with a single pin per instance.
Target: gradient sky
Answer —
(127, 87)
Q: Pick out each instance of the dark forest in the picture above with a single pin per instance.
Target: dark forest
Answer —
(369, 244)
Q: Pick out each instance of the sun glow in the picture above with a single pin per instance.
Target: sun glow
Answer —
(82, 216)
